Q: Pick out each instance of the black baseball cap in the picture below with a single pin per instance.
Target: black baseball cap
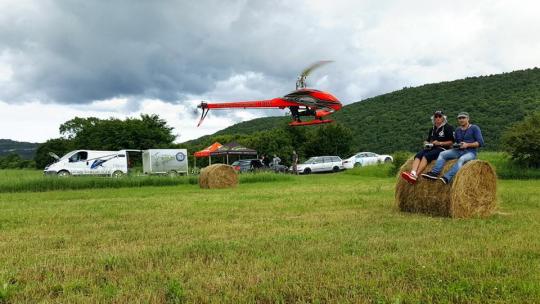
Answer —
(438, 113)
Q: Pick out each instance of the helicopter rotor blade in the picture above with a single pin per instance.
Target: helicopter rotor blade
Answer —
(301, 81)
(309, 69)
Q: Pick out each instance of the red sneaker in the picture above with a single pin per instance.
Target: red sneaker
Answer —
(411, 179)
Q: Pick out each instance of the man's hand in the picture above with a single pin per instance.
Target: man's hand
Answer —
(436, 143)
(464, 145)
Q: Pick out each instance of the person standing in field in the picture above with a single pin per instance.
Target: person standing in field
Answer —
(276, 160)
(294, 162)
(469, 137)
(440, 137)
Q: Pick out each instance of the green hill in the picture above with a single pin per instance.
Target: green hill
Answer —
(399, 120)
(26, 150)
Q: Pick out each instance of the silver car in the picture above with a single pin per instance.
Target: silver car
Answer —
(321, 164)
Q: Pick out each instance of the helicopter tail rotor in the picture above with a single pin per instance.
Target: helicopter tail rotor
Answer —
(205, 110)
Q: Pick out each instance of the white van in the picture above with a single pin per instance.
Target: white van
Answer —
(90, 162)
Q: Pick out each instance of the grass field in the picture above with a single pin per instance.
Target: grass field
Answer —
(330, 238)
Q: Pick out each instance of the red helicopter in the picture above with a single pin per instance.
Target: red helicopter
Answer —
(301, 102)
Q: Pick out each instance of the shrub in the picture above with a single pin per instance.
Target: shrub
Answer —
(400, 157)
(522, 141)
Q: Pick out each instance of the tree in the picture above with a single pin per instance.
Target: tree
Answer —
(59, 146)
(148, 131)
(15, 161)
(522, 141)
(332, 139)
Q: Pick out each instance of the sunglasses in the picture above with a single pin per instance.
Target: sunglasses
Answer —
(438, 116)
(462, 117)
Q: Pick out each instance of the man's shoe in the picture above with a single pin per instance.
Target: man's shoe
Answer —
(409, 177)
(430, 175)
(444, 180)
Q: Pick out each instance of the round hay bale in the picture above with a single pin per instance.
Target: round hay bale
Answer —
(218, 176)
(471, 193)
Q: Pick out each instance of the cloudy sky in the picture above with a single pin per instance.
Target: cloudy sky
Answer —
(61, 59)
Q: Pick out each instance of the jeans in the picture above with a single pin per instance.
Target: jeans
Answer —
(463, 156)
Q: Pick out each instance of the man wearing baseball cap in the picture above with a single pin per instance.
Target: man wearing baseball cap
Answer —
(469, 139)
(440, 137)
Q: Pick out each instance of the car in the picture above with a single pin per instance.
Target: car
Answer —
(247, 165)
(365, 159)
(250, 165)
(320, 164)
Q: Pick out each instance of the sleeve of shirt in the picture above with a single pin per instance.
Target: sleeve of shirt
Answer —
(478, 135)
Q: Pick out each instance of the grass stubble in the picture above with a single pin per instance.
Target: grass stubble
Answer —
(331, 238)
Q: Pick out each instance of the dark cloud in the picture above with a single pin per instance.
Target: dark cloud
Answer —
(82, 51)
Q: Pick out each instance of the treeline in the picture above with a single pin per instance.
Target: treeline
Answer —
(150, 131)
(25, 149)
(329, 139)
(399, 120)
(15, 161)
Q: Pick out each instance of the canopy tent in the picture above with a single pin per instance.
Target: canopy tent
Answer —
(232, 148)
(206, 152)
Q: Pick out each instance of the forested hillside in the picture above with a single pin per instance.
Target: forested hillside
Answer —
(399, 120)
(25, 149)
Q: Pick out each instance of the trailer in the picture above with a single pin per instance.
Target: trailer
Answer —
(165, 161)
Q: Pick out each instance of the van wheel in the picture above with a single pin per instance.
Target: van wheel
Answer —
(387, 160)
(63, 173)
(117, 174)
(335, 169)
(307, 171)
(172, 173)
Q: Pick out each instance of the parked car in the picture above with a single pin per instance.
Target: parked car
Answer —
(365, 159)
(250, 165)
(247, 165)
(321, 164)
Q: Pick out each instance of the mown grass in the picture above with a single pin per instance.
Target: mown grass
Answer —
(34, 181)
(329, 238)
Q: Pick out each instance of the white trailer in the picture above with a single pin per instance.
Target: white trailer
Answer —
(165, 161)
(90, 162)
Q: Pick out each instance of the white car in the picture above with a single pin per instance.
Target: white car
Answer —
(321, 164)
(365, 159)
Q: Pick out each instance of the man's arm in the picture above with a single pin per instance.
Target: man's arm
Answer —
(477, 136)
(465, 145)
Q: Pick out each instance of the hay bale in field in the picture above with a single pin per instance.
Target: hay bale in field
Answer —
(471, 193)
(218, 176)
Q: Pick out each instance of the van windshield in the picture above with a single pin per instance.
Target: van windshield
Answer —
(67, 155)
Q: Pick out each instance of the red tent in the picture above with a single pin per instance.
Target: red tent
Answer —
(206, 151)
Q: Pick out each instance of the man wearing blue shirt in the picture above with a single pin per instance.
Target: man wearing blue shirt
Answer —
(469, 137)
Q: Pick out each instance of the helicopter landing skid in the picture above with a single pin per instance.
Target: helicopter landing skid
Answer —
(311, 122)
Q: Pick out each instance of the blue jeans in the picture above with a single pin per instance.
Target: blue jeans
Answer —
(463, 156)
